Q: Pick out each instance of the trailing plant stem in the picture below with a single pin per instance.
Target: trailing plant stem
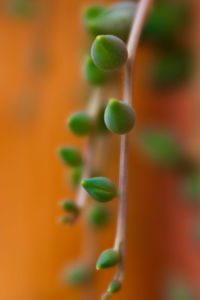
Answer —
(142, 11)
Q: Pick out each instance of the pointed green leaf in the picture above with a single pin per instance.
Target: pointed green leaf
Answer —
(80, 123)
(98, 216)
(108, 259)
(70, 156)
(119, 117)
(109, 52)
(114, 286)
(100, 188)
(69, 206)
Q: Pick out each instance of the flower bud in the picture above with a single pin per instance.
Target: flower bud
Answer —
(116, 20)
(77, 275)
(70, 156)
(93, 74)
(119, 117)
(98, 216)
(100, 188)
(69, 206)
(114, 286)
(109, 52)
(108, 259)
(80, 123)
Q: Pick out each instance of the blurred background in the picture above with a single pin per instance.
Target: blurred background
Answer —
(41, 83)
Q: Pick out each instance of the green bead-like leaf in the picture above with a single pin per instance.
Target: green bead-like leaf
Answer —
(100, 188)
(116, 20)
(109, 52)
(80, 124)
(70, 156)
(119, 117)
(192, 186)
(77, 275)
(108, 259)
(171, 68)
(69, 206)
(165, 21)
(93, 74)
(98, 216)
(101, 128)
(160, 147)
(65, 220)
(75, 176)
(114, 286)
(21, 8)
(179, 291)
(106, 296)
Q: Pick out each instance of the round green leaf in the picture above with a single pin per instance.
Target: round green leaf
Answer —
(80, 123)
(119, 117)
(98, 216)
(69, 206)
(93, 74)
(109, 52)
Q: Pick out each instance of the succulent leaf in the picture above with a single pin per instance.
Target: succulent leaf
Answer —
(75, 176)
(93, 74)
(109, 52)
(116, 19)
(114, 286)
(160, 147)
(119, 117)
(77, 275)
(98, 216)
(108, 259)
(70, 156)
(80, 123)
(69, 206)
(100, 188)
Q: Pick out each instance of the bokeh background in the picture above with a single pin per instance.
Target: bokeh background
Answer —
(40, 85)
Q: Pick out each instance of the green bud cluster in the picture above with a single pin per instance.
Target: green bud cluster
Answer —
(100, 189)
(109, 52)
(109, 258)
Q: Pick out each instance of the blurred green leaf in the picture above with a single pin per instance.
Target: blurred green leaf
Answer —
(160, 147)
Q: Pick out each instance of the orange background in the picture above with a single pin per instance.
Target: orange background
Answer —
(33, 109)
